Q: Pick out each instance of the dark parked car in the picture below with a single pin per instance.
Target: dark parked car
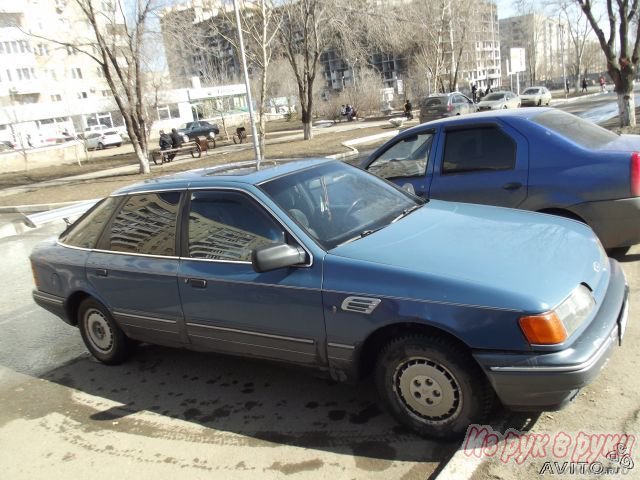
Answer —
(445, 105)
(191, 130)
(544, 160)
(320, 264)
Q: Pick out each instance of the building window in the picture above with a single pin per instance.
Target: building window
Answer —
(56, 98)
(25, 73)
(82, 95)
(42, 49)
(99, 72)
(76, 73)
(71, 50)
(9, 74)
(106, 93)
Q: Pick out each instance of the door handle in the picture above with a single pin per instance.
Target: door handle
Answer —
(512, 186)
(102, 272)
(197, 282)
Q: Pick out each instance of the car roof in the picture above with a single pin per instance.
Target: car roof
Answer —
(221, 175)
(482, 117)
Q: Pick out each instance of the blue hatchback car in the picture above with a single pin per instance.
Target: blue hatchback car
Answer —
(320, 264)
(544, 160)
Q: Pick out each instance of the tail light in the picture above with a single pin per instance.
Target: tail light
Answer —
(449, 108)
(635, 174)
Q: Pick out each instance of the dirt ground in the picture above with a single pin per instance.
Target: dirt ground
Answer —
(325, 142)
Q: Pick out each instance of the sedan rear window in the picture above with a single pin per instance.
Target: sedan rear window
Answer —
(531, 91)
(580, 131)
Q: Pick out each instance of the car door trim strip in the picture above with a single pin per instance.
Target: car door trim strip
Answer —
(251, 332)
(341, 345)
(142, 317)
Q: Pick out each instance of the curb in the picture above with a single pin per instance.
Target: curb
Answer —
(35, 208)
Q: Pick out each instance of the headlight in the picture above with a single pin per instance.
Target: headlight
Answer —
(556, 326)
(212, 134)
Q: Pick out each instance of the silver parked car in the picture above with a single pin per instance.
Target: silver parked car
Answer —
(445, 105)
(499, 100)
(100, 140)
(536, 96)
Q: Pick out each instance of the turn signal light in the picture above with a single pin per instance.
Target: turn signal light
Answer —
(543, 329)
(635, 174)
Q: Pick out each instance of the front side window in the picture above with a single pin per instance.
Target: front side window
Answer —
(85, 232)
(407, 158)
(478, 149)
(227, 226)
(146, 224)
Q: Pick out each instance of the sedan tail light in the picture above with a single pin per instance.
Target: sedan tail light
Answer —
(635, 174)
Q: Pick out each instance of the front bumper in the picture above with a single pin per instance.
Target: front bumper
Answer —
(548, 381)
(616, 222)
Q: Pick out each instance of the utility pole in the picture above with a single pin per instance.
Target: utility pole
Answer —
(254, 133)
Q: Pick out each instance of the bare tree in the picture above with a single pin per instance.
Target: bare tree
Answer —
(305, 32)
(116, 44)
(622, 59)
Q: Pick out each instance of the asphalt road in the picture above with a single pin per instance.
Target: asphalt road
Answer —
(170, 413)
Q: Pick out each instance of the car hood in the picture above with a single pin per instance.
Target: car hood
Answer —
(482, 255)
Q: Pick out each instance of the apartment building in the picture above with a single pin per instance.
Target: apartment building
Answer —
(545, 41)
(47, 88)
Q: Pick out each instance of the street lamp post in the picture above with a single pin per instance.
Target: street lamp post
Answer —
(254, 133)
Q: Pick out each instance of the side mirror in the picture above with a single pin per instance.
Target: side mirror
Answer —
(276, 256)
(409, 188)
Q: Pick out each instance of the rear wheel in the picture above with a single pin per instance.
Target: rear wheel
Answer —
(100, 333)
(432, 385)
(100, 146)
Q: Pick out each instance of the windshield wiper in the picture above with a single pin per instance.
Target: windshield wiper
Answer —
(406, 212)
(364, 233)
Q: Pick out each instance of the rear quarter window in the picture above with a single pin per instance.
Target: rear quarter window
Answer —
(580, 131)
(87, 230)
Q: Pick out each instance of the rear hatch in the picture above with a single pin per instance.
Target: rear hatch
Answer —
(434, 106)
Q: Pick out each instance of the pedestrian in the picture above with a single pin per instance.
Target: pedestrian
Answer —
(343, 110)
(474, 92)
(29, 142)
(408, 110)
(584, 85)
(176, 142)
(602, 84)
(566, 84)
(348, 111)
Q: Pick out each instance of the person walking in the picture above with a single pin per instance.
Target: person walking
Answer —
(566, 84)
(584, 85)
(474, 92)
(602, 84)
(408, 110)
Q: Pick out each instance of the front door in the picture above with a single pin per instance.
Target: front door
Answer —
(227, 305)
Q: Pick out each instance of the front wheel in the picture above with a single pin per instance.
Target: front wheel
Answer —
(100, 146)
(432, 385)
(100, 333)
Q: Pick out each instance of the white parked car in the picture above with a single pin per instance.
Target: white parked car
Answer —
(100, 140)
(499, 100)
(536, 96)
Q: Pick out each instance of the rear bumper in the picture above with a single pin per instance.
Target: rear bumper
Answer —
(616, 222)
(51, 303)
(548, 381)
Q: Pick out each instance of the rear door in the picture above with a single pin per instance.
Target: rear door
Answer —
(135, 266)
(486, 163)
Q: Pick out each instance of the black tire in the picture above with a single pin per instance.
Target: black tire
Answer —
(101, 335)
(100, 146)
(155, 158)
(539, 102)
(445, 389)
(118, 145)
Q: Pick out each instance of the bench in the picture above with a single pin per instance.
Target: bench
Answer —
(162, 156)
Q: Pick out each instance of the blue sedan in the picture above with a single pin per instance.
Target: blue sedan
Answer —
(543, 160)
(320, 264)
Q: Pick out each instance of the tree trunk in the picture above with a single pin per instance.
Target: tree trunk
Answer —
(626, 109)
(142, 157)
(308, 133)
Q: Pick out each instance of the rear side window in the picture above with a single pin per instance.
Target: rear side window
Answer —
(478, 149)
(86, 231)
(146, 224)
(580, 131)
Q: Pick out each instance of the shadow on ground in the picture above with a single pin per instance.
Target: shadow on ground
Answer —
(234, 400)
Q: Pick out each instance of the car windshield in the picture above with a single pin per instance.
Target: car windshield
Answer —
(495, 96)
(576, 129)
(184, 126)
(337, 203)
(531, 91)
